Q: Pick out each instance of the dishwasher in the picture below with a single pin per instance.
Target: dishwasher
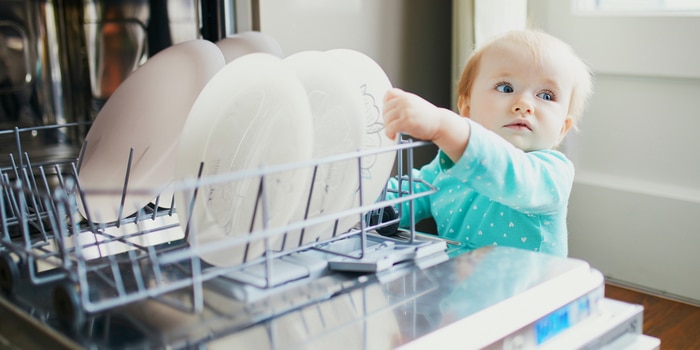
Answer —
(74, 283)
(139, 282)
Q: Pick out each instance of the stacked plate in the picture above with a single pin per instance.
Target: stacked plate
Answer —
(198, 112)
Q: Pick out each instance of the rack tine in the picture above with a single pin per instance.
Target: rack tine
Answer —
(45, 182)
(126, 184)
(32, 192)
(335, 228)
(80, 155)
(411, 211)
(308, 204)
(363, 235)
(55, 228)
(81, 194)
(39, 211)
(251, 229)
(61, 233)
(30, 177)
(116, 275)
(12, 197)
(192, 202)
(265, 223)
(15, 167)
(61, 181)
(3, 216)
(172, 206)
(24, 221)
(18, 143)
(155, 266)
(155, 207)
(137, 216)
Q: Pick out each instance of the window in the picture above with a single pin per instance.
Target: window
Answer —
(637, 7)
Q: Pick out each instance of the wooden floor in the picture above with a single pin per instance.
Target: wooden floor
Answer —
(676, 324)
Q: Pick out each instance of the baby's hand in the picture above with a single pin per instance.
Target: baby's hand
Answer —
(408, 113)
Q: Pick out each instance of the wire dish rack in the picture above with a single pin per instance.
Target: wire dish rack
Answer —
(96, 266)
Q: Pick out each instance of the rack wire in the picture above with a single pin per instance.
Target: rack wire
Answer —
(97, 266)
(27, 239)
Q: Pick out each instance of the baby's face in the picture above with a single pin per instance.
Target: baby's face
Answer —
(523, 100)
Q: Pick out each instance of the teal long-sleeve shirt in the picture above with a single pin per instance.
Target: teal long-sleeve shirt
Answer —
(496, 194)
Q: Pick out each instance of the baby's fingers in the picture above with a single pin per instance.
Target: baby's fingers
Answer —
(391, 112)
(392, 94)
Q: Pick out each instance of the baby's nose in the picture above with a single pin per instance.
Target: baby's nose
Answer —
(523, 106)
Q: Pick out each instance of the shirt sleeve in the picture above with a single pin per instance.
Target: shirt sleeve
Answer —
(537, 182)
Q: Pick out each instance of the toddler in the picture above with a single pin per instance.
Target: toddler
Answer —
(499, 178)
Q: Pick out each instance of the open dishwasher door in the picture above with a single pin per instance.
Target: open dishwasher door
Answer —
(492, 297)
(495, 297)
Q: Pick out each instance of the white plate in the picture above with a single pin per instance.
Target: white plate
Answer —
(372, 84)
(337, 113)
(232, 47)
(253, 113)
(241, 44)
(146, 113)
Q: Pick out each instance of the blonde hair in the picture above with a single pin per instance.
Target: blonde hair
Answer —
(537, 42)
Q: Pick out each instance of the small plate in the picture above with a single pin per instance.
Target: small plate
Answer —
(146, 113)
(372, 84)
(253, 113)
(337, 112)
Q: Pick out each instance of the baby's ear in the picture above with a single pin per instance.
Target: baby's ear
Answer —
(463, 105)
(568, 124)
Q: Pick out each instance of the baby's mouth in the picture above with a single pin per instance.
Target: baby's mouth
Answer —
(519, 125)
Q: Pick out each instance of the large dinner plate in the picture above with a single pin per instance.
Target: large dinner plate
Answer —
(337, 113)
(145, 114)
(371, 84)
(253, 113)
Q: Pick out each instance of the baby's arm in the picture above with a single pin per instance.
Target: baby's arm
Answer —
(536, 182)
(408, 113)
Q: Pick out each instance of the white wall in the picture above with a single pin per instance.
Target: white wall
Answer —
(636, 195)
(410, 39)
(369, 27)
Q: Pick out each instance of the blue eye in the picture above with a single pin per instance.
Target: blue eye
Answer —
(546, 95)
(504, 87)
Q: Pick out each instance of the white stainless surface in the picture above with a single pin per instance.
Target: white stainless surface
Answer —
(406, 306)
